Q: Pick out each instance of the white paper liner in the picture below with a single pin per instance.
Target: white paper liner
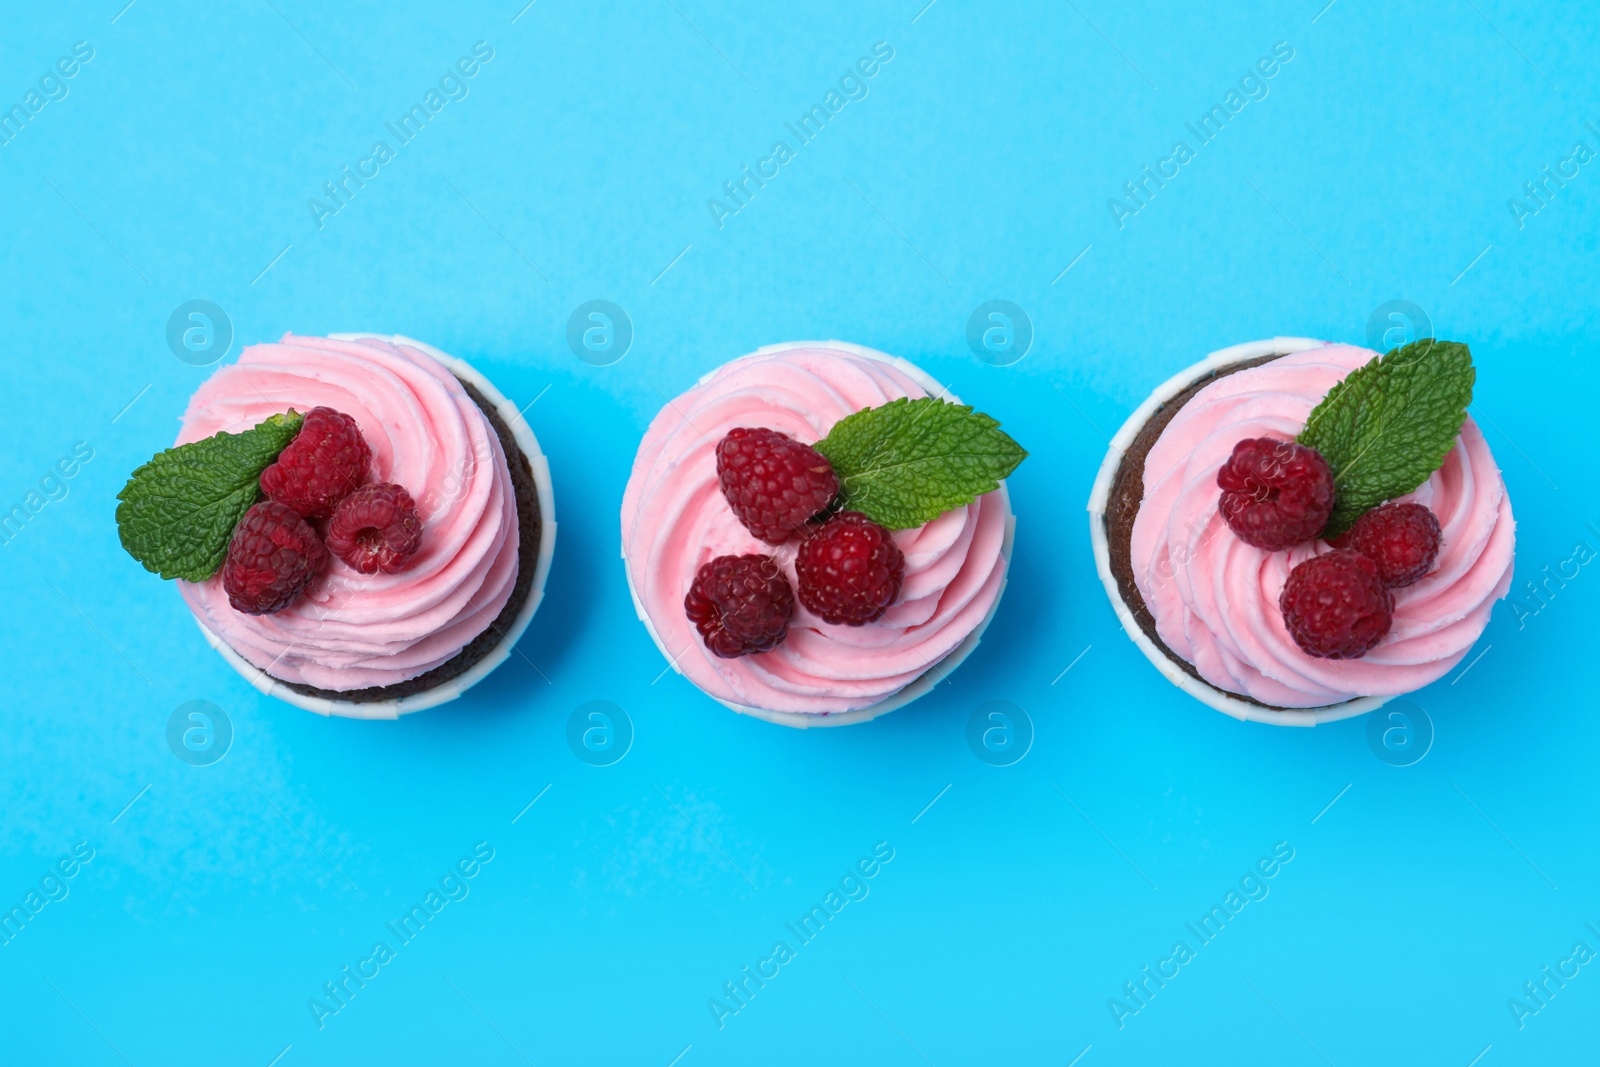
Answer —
(1207, 694)
(935, 673)
(447, 691)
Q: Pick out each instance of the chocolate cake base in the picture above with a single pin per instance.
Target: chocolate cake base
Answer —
(1122, 506)
(529, 529)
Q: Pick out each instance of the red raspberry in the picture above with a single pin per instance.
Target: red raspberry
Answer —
(850, 570)
(326, 461)
(740, 605)
(1336, 606)
(273, 555)
(376, 528)
(1275, 493)
(774, 484)
(1402, 539)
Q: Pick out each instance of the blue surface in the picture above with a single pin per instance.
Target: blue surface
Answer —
(577, 166)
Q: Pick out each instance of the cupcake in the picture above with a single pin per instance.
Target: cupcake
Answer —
(1295, 532)
(800, 540)
(361, 525)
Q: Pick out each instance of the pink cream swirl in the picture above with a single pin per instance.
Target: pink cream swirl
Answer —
(353, 630)
(1215, 598)
(674, 519)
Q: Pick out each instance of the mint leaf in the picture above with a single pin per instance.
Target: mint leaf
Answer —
(909, 461)
(1389, 424)
(179, 510)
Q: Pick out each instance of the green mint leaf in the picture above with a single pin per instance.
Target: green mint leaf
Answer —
(909, 461)
(178, 511)
(1389, 424)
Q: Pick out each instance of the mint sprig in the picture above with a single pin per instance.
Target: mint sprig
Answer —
(909, 461)
(1388, 425)
(178, 511)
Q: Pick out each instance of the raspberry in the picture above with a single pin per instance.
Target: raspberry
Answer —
(326, 461)
(1336, 606)
(376, 528)
(850, 570)
(1275, 493)
(273, 555)
(774, 484)
(1402, 539)
(740, 605)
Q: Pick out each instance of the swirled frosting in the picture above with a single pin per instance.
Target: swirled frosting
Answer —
(1215, 599)
(351, 630)
(674, 519)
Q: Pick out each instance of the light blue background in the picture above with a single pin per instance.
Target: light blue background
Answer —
(978, 167)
